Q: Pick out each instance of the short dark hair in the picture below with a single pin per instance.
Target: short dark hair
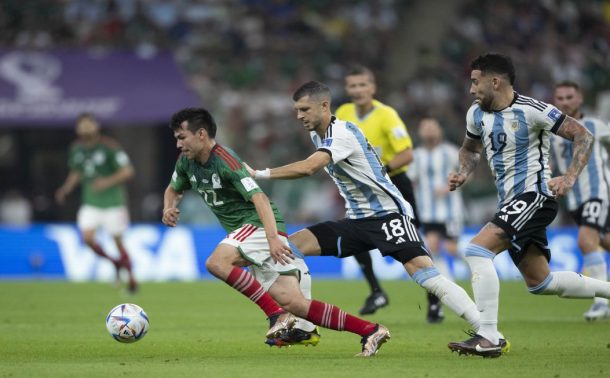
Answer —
(196, 118)
(496, 63)
(86, 115)
(312, 89)
(568, 83)
(360, 70)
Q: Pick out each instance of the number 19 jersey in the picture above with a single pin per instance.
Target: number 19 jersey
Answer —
(225, 186)
(516, 141)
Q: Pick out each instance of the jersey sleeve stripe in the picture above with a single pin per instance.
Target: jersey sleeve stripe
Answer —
(230, 160)
(558, 124)
(327, 151)
(472, 136)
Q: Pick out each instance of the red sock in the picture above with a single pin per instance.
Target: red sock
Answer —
(242, 281)
(330, 316)
(100, 252)
(125, 261)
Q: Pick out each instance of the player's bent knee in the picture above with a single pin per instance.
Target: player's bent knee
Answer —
(214, 266)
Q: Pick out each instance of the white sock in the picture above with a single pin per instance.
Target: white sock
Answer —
(443, 268)
(572, 285)
(305, 284)
(450, 294)
(595, 267)
(486, 289)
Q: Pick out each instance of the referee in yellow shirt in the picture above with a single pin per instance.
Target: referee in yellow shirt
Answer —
(388, 135)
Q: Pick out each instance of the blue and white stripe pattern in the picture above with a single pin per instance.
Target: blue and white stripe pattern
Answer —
(429, 173)
(516, 142)
(358, 173)
(594, 179)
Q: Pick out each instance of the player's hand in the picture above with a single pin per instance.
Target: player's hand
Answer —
(455, 180)
(280, 252)
(171, 216)
(251, 171)
(561, 185)
(101, 183)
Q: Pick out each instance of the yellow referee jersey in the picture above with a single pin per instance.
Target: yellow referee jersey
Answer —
(383, 128)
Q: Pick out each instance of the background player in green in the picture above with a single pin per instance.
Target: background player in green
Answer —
(101, 167)
(256, 233)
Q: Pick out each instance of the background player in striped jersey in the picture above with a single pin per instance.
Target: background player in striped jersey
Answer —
(388, 135)
(515, 132)
(587, 202)
(256, 233)
(377, 214)
(101, 167)
(440, 211)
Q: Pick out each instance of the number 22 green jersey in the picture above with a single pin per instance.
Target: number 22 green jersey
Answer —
(225, 186)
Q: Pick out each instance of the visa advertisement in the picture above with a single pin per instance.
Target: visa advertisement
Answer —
(159, 253)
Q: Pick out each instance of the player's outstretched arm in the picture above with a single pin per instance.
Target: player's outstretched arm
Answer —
(470, 154)
(122, 175)
(307, 167)
(582, 144)
(280, 252)
(68, 186)
(171, 213)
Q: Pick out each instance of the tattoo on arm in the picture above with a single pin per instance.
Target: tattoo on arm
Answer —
(582, 144)
(470, 154)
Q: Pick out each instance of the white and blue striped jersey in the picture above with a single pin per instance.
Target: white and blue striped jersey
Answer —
(429, 173)
(358, 173)
(516, 141)
(594, 179)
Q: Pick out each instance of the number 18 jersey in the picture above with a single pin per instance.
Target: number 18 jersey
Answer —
(516, 141)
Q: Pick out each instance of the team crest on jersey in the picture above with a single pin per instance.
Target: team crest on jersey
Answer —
(99, 157)
(216, 182)
(514, 125)
(554, 114)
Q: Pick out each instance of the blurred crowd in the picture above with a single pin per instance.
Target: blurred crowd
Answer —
(245, 57)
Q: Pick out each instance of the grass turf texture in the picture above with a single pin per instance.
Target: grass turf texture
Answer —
(205, 329)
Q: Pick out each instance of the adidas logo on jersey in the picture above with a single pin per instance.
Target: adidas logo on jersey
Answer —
(400, 240)
(504, 218)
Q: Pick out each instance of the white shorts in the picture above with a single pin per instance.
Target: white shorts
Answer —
(252, 244)
(114, 220)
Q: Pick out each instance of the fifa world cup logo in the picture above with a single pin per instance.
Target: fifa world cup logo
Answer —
(32, 73)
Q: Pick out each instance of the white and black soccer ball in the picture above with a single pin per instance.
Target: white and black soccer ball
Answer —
(127, 323)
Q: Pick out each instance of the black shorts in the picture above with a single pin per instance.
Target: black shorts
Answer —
(394, 235)
(593, 213)
(525, 219)
(441, 228)
(403, 183)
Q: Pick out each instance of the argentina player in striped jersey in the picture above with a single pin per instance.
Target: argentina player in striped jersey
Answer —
(515, 130)
(441, 212)
(377, 215)
(587, 202)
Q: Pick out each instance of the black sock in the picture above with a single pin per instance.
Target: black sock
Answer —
(366, 264)
(432, 299)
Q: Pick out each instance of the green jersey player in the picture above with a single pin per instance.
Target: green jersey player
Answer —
(101, 167)
(256, 234)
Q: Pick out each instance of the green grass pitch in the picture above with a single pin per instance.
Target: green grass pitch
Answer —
(205, 329)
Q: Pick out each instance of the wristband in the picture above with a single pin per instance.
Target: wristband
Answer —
(262, 174)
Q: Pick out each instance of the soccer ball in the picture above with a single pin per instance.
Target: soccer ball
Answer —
(127, 323)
